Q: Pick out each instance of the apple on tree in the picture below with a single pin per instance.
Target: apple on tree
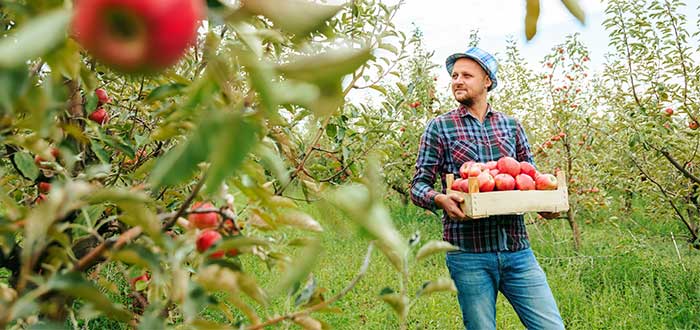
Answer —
(206, 239)
(102, 97)
(204, 220)
(99, 116)
(137, 35)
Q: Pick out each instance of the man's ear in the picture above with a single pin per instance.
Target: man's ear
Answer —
(489, 82)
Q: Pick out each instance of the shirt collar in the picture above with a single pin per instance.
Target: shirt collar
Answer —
(462, 110)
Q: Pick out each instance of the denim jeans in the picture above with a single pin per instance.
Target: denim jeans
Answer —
(479, 277)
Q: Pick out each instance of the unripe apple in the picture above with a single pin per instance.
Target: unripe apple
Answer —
(204, 220)
(102, 97)
(206, 239)
(486, 182)
(44, 187)
(137, 35)
(508, 165)
(135, 281)
(527, 168)
(504, 182)
(99, 116)
(524, 182)
(546, 182)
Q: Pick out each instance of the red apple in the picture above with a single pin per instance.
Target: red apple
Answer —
(524, 182)
(206, 239)
(102, 97)
(693, 125)
(474, 170)
(504, 182)
(204, 220)
(464, 169)
(44, 187)
(456, 184)
(486, 182)
(491, 165)
(528, 169)
(508, 165)
(546, 182)
(493, 172)
(668, 111)
(556, 138)
(137, 35)
(464, 186)
(99, 116)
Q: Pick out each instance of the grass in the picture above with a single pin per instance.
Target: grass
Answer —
(627, 275)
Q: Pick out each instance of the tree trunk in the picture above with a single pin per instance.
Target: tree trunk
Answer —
(574, 229)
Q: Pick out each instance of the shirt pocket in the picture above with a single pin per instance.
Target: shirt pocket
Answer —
(506, 144)
(464, 151)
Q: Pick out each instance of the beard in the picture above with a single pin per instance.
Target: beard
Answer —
(467, 101)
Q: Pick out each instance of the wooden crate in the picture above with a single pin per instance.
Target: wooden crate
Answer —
(481, 205)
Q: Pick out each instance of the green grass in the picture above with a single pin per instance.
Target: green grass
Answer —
(627, 274)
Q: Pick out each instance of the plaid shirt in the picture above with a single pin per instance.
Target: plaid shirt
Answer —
(452, 139)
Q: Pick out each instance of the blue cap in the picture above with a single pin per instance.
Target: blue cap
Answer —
(486, 60)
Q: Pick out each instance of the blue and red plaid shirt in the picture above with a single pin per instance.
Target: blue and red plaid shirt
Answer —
(452, 139)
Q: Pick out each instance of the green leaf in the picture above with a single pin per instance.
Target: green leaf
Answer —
(397, 302)
(531, 17)
(234, 143)
(301, 267)
(441, 284)
(379, 88)
(326, 68)
(165, 91)
(26, 165)
(272, 162)
(434, 247)
(73, 284)
(100, 152)
(299, 220)
(575, 9)
(296, 16)
(36, 38)
(180, 163)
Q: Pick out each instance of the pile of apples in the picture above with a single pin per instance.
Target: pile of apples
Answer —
(502, 175)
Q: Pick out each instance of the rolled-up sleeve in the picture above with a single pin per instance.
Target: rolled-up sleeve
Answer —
(430, 158)
(522, 146)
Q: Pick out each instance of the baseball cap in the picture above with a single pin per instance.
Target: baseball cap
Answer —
(485, 60)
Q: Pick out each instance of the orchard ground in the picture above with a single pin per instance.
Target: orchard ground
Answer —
(627, 275)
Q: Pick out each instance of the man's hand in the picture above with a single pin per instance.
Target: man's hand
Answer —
(450, 203)
(549, 215)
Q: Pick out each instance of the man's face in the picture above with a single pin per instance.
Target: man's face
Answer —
(469, 81)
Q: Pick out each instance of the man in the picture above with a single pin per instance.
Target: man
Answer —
(494, 253)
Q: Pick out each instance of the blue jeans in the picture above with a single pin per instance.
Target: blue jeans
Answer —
(479, 277)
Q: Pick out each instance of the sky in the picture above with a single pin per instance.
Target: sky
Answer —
(446, 25)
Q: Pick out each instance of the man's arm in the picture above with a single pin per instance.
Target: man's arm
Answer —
(430, 158)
